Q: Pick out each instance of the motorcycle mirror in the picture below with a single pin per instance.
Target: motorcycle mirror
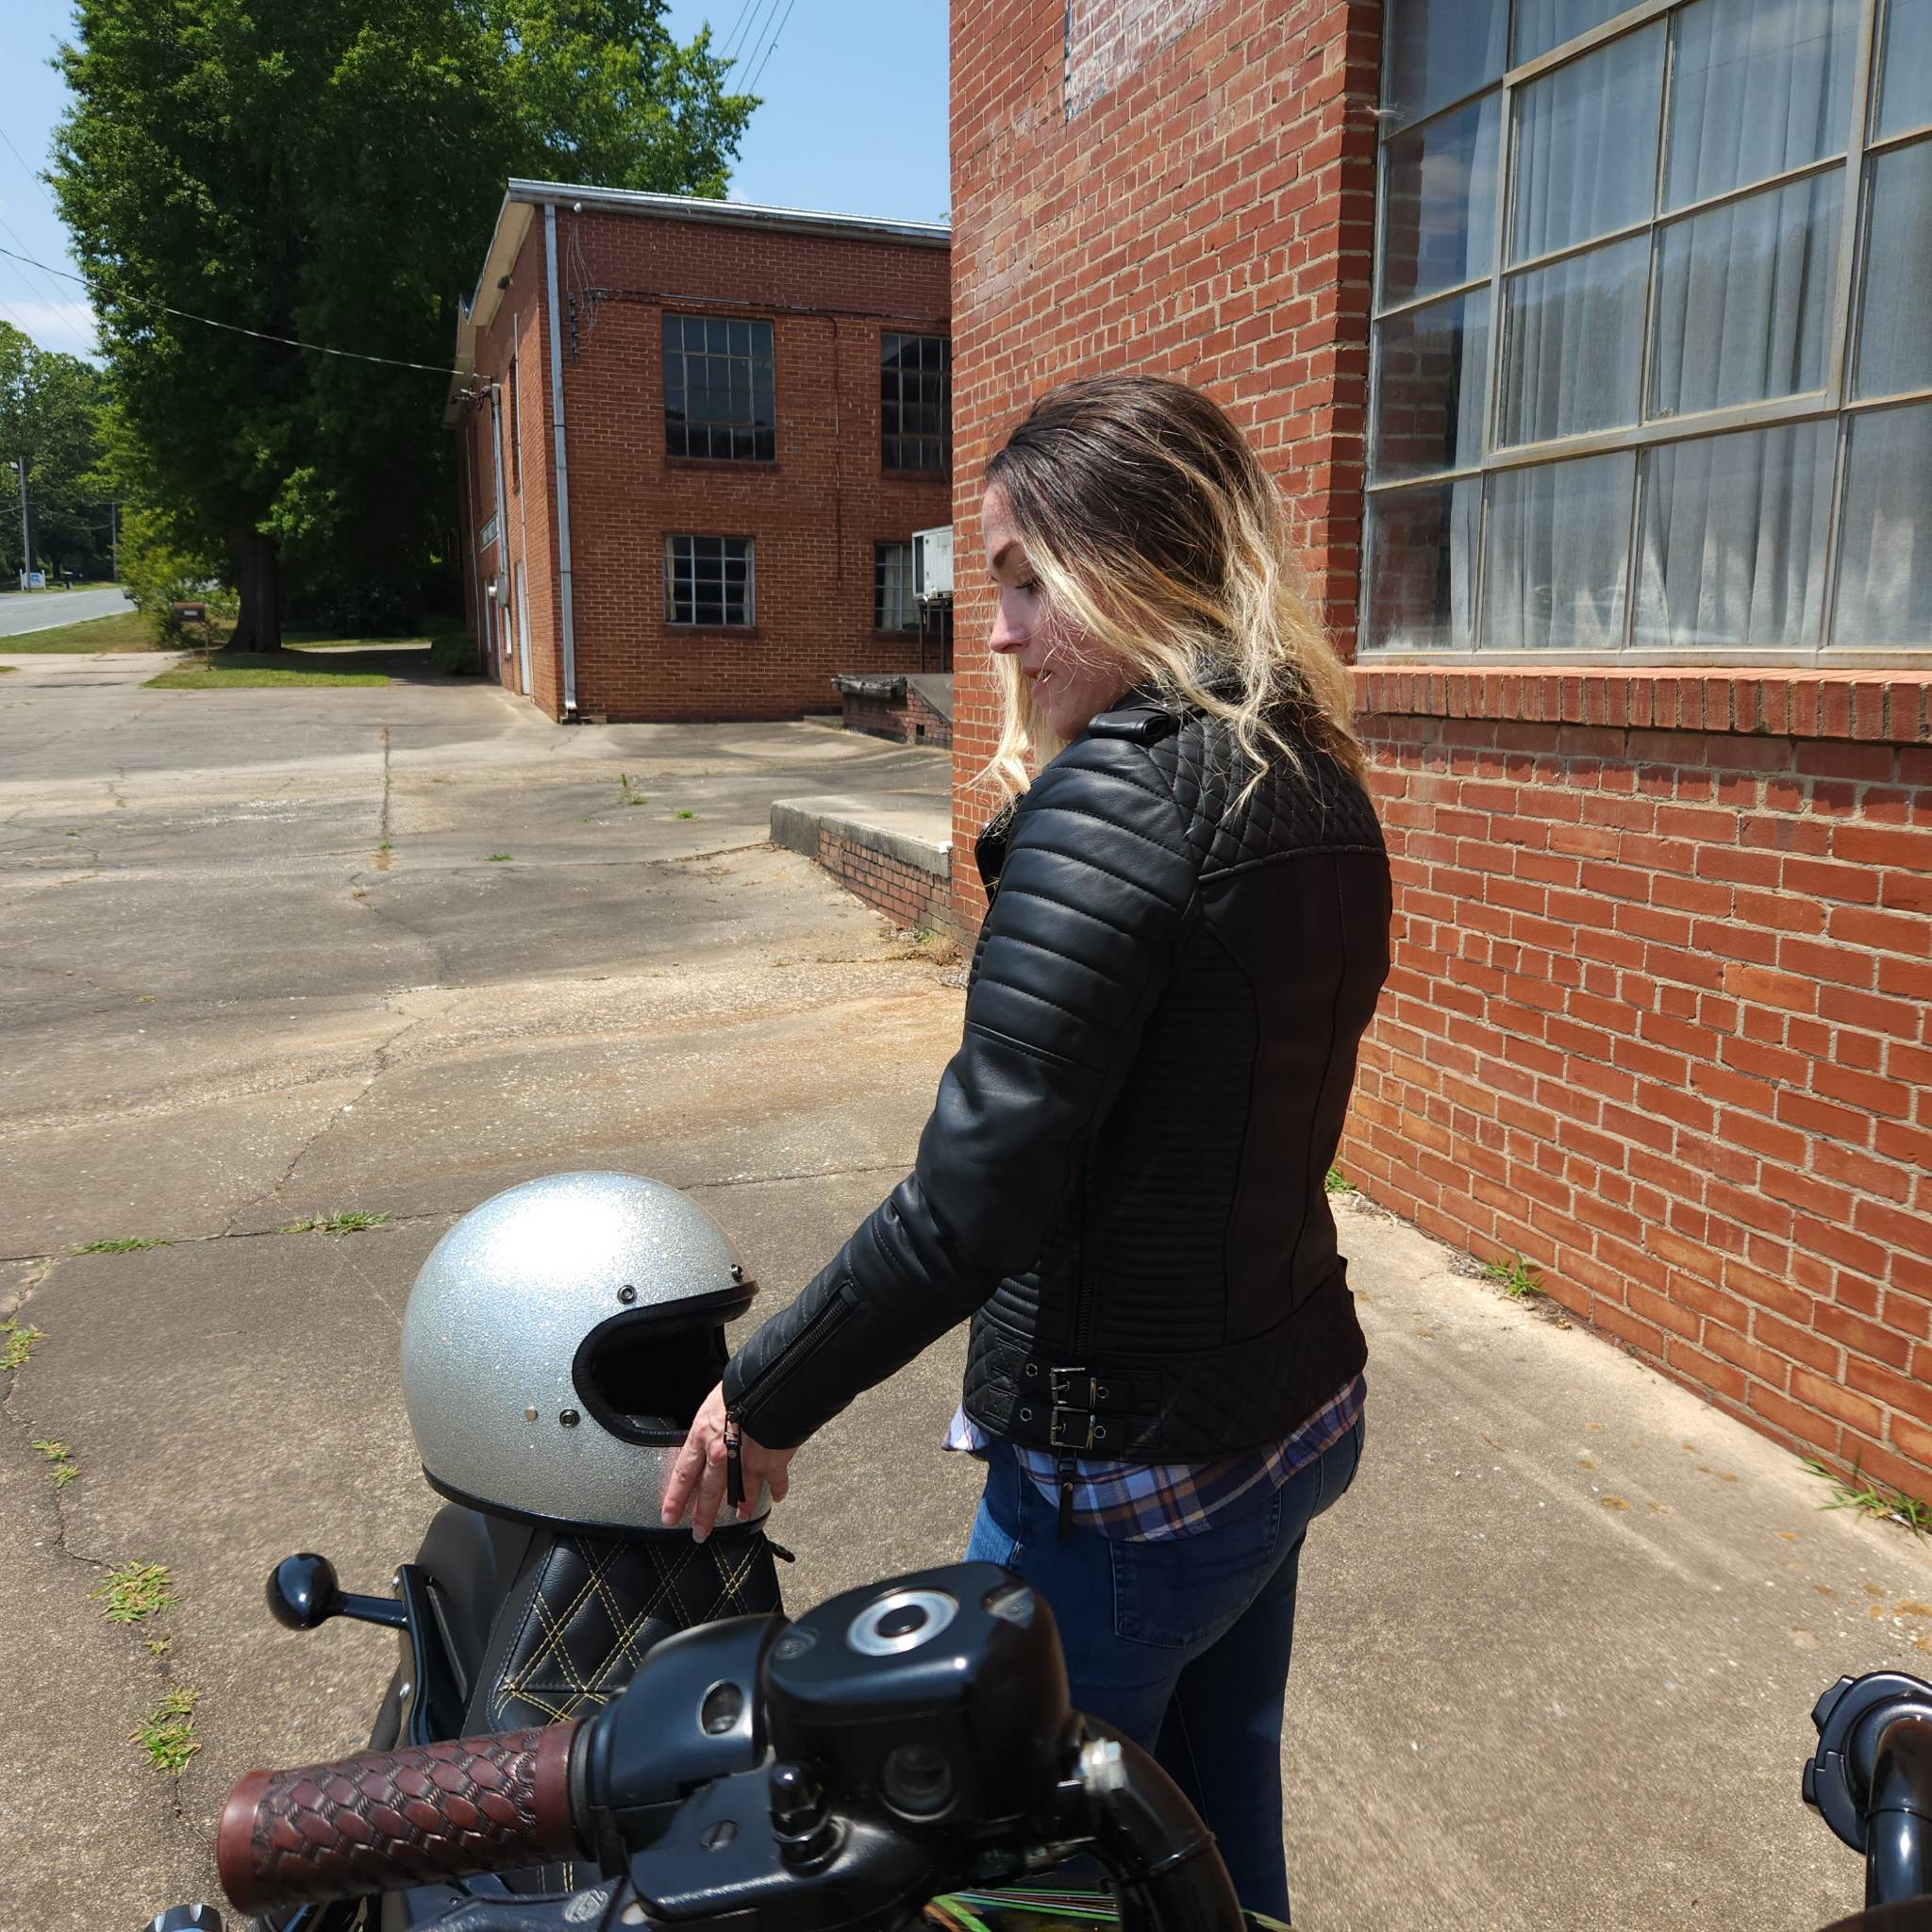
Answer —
(303, 1594)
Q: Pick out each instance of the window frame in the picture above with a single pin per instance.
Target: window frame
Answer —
(943, 469)
(879, 547)
(694, 624)
(666, 317)
(1836, 401)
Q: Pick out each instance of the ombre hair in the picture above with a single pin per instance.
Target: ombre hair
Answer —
(1152, 527)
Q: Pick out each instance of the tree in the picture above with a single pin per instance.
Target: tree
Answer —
(330, 171)
(50, 407)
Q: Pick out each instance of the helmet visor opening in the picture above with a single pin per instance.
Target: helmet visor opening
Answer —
(642, 1378)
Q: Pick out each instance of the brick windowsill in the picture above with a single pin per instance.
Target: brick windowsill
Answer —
(1872, 706)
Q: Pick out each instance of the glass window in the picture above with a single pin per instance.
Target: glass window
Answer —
(709, 580)
(1573, 343)
(1885, 540)
(916, 403)
(1431, 364)
(892, 604)
(1757, 88)
(1439, 191)
(1435, 51)
(718, 389)
(1586, 145)
(1904, 85)
(1732, 551)
(1421, 584)
(1895, 308)
(1559, 539)
(1743, 298)
(1685, 406)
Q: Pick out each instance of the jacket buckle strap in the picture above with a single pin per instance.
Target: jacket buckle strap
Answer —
(1073, 1428)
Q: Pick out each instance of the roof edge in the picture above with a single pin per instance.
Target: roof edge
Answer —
(737, 214)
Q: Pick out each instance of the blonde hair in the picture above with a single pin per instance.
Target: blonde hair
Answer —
(1152, 526)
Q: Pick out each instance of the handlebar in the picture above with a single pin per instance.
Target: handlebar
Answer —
(901, 1740)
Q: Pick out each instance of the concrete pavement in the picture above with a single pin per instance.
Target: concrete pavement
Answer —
(21, 611)
(1555, 1649)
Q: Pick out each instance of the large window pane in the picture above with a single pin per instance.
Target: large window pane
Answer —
(1435, 51)
(1586, 145)
(1895, 312)
(1758, 86)
(1573, 343)
(1884, 533)
(1904, 88)
(1430, 367)
(717, 388)
(1422, 567)
(1438, 221)
(1733, 545)
(1559, 535)
(1541, 25)
(1743, 298)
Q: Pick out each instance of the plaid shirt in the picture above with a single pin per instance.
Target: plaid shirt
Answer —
(1146, 1501)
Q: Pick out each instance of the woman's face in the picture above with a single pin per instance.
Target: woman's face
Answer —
(1071, 675)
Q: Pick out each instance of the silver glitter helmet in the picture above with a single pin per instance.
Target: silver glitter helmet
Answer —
(558, 1341)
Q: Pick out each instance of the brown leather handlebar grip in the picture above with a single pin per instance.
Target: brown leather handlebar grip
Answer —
(384, 1820)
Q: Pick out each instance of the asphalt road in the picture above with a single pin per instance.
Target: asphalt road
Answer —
(1556, 1649)
(21, 611)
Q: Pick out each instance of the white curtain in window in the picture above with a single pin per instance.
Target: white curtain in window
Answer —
(1558, 542)
(1885, 540)
(897, 611)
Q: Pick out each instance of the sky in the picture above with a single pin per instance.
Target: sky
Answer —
(854, 121)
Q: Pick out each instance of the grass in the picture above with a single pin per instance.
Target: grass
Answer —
(1515, 1277)
(245, 670)
(17, 1343)
(167, 1736)
(335, 1223)
(628, 793)
(1338, 1183)
(497, 857)
(135, 1590)
(684, 811)
(130, 1245)
(126, 630)
(65, 1468)
(1862, 1494)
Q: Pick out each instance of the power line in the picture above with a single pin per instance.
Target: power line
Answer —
(760, 12)
(31, 175)
(753, 87)
(262, 335)
(725, 43)
(37, 288)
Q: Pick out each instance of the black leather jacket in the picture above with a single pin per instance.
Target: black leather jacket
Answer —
(1123, 1180)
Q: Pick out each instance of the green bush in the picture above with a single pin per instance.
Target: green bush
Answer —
(158, 572)
(452, 651)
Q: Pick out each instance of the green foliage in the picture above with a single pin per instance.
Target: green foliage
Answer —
(332, 172)
(65, 1469)
(1338, 1183)
(497, 857)
(260, 671)
(167, 1734)
(135, 1590)
(1873, 1499)
(452, 651)
(127, 1244)
(50, 415)
(628, 793)
(336, 1223)
(160, 569)
(1515, 1277)
(17, 1342)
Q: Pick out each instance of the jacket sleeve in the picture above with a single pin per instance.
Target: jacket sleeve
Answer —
(1080, 942)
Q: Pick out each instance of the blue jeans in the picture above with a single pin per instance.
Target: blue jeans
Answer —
(1182, 1645)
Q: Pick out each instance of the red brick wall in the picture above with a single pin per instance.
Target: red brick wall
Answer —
(911, 719)
(814, 515)
(907, 894)
(1206, 212)
(1661, 1021)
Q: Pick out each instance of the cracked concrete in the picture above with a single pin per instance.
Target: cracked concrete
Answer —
(1555, 1652)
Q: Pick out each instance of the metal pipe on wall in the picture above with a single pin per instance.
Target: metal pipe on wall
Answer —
(569, 625)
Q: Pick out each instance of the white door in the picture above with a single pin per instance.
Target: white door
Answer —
(523, 632)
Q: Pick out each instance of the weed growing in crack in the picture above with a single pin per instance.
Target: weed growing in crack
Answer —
(167, 1734)
(131, 1244)
(17, 1342)
(1866, 1496)
(1338, 1183)
(334, 1223)
(135, 1590)
(497, 857)
(65, 1468)
(684, 811)
(159, 1646)
(1515, 1277)
(628, 793)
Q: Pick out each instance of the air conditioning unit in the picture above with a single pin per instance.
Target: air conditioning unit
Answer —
(932, 562)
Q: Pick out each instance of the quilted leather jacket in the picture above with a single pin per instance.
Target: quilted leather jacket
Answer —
(1123, 1179)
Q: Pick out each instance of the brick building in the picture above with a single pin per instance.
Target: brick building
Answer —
(1611, 326)
(694, 443)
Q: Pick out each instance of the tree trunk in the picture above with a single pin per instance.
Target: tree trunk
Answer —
(258, 576)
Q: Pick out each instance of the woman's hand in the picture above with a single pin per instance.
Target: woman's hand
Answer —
(698, 1478)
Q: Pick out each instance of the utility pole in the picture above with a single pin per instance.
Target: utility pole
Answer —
(26, 554)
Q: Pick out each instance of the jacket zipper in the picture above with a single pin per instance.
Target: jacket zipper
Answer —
(818, 1326)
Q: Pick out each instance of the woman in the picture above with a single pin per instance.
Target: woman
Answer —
(1121, 1182)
